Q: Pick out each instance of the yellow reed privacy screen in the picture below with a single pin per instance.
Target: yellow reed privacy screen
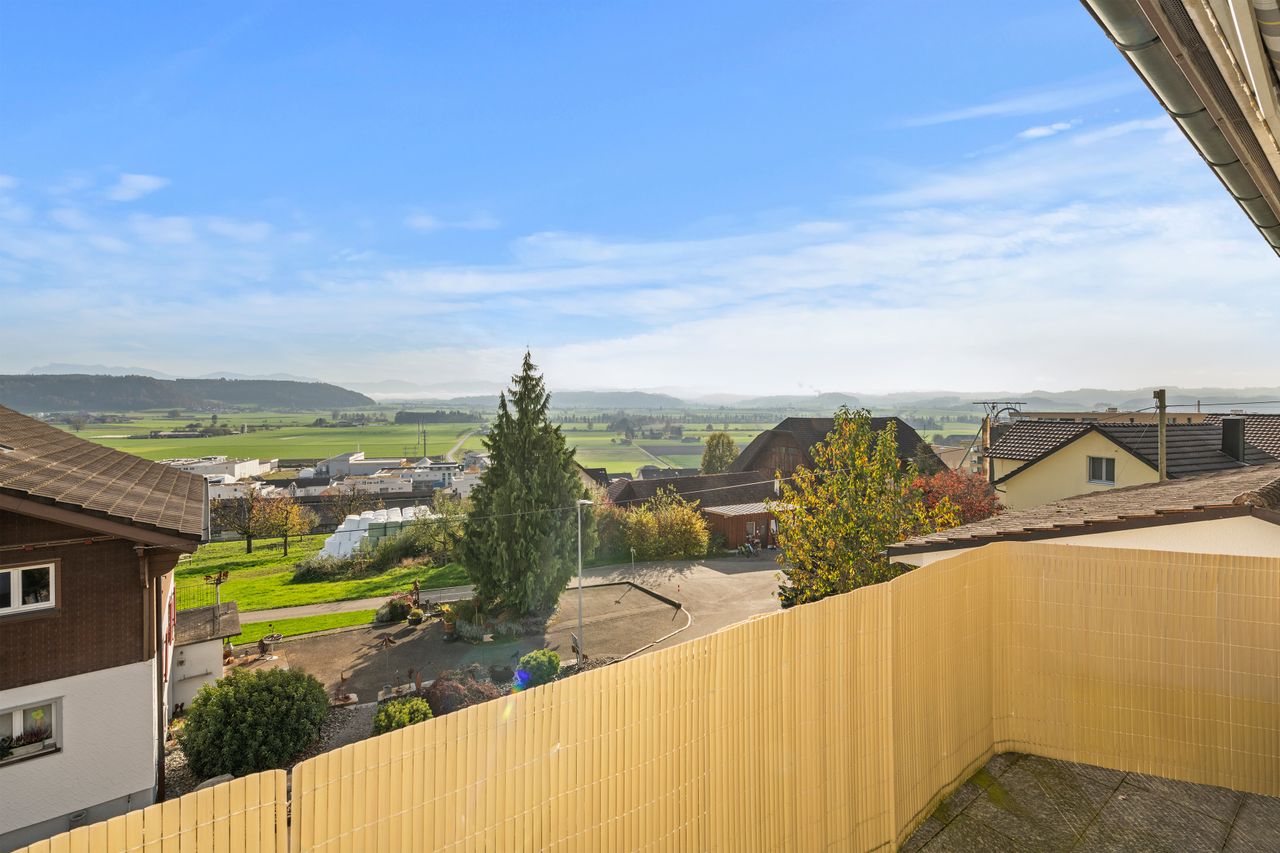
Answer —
(835, 725)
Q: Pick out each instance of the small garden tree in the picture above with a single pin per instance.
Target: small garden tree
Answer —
(398, 713)
(251, 721)
(539, 666)
(718, 453)
(836, 519)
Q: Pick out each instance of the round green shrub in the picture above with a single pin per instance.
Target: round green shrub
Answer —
(251, 721)
(398, 713)
(538, 667)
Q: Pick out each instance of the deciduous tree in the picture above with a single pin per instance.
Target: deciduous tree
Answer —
(520, 546)
(247, 516)
(972, 496)
(667, 527)
(351, 502)
(286, 517)
(718, 453)
(836, 519)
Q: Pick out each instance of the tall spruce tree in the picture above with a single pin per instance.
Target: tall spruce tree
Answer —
(520, 547)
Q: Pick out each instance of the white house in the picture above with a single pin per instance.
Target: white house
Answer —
(87, 621)
(1236, 512)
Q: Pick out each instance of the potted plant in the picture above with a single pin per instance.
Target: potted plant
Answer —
(29, 743)
(415, 616)
(450, 620)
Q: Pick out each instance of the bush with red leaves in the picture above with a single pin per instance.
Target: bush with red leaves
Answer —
(455, 689)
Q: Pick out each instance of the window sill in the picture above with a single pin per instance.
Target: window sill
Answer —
(18, 759)
(1102, 482)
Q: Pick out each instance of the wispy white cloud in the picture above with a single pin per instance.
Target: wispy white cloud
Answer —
(246, 232)
(476, 222)
(1065, 97)
(130, 186)
(1023, 268)
(1045, 130)
(162, 229)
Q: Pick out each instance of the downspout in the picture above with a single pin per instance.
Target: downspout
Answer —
(157, 618)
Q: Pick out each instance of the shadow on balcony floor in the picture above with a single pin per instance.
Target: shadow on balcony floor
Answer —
(1025, 802)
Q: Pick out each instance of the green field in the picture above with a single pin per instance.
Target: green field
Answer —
(294, 439)
(264, 579)
(251, 632)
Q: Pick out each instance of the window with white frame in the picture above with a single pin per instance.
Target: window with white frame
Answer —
(24, 588)
(1102, 469)
(28, 729)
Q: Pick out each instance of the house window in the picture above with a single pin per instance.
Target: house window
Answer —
(1102, 469)
(24, 588)
(28, 730)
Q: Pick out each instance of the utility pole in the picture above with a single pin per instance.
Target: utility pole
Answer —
(1160, 404)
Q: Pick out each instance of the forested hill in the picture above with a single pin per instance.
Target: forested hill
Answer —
(81, 392)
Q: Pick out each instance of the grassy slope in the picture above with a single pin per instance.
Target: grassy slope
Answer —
(251, 632)
(264, 579)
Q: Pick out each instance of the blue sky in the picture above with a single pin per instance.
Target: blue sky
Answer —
(739, 197)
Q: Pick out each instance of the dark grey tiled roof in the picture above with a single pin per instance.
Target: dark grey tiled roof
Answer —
(1189, 448)
(809, 431)
(740, 487)
(1257, 485)
(45, 463)
(1262, 431)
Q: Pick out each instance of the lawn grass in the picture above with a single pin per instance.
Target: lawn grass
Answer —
(251, 632)
(264, 580)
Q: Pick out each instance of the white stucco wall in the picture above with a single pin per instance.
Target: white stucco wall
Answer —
(107, 735)
(194, 666)
(1243, 536)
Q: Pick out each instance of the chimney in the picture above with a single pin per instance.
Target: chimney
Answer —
(1233, 437)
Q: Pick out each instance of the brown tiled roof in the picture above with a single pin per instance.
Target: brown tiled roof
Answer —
(1262, 431)
(50, 465)
(214, 622)
(707, 489)
(1189, 448)
(1256, 486)
(809, 431)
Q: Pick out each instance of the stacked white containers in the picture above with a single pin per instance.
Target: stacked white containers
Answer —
(363, 532)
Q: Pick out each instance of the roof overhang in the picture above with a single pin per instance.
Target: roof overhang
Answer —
(1208, 64)
(1158, 518)
(98, 523)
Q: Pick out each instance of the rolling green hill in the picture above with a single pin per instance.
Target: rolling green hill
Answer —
(83, 392)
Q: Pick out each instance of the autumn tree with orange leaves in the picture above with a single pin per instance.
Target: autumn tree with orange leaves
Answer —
(835, 520)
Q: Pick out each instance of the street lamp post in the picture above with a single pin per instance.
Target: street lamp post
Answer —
(581, 643)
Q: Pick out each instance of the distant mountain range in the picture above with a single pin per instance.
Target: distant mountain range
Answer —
(81, 392)
(105, 388)
(111, 370)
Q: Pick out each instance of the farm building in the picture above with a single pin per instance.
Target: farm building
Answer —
(789, 445)
(742, 524)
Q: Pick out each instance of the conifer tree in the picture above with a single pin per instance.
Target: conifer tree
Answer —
(520, 547)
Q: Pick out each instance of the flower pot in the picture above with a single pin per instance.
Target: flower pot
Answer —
(449, 626)
(30, 749)
(415, 620)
